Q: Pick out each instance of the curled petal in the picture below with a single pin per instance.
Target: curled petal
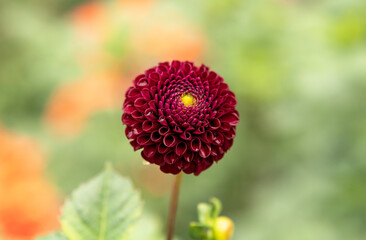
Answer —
(135, 145)
(144, 140)
(199, 130)
(162, 148)
(136, 128)
(137, 115)
(149, 126)
(127, 119)
(169, 169)
(191, 168)
(154, 78)
(228, 144)
(207, 137)
(230, 134)
(177, 129)
(170, 157)
(163, 121)
(133, 93)
(149, 151)
(146, 94)
(141, 83)
(188, 156)
(163, 131)
(225, 127)
(170, 140)
(214, 124)
(150, 115)
(159, 159)
(205, 150)
(128, 108)
(181, 164)
(195, 144)
(230, 118)
(218, 138)
(129, 133)
(231, 100)
(186, 135)
(180, 148)
(152, 105)
(156, 136)
(140, 104)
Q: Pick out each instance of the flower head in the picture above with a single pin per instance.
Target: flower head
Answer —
(181, 115)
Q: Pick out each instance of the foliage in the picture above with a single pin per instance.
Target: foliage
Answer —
(104, 208)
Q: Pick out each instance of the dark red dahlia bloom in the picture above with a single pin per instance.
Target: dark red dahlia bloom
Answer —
(182, 116)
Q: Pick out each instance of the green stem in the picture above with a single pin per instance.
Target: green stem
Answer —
(173, 205)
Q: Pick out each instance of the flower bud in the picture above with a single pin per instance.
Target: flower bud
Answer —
(224, 228)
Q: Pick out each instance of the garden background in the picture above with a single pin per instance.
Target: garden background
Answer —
(297, 169)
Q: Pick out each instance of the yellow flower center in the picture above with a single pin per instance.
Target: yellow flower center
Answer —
(188, 100)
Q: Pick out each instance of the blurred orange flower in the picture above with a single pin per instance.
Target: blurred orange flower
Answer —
(161, 34)
(71, 105)
(28, 203)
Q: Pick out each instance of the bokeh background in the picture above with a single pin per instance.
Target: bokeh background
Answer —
(297, 169)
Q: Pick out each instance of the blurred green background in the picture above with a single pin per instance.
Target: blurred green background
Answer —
(297, 169)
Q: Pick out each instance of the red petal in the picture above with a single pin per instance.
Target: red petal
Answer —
(137, 115)
(215, 124)
(170, 157)
(169, 140)
(180, 148)
(195, 145)
(146, 94)
(207, 137)
(149, 114)
(129, 133)
(133, 93)
(169, 169)
(230, 118)
(144, 140)
(140, 104)
(230, 134)
(199, 130)
(205, 150)
(149, 151)
(155, 136)
(137, 129)
(148, 126)
(190, 169)
(142, 83)
(162, 148)
(154, 78)
(188, 156)
(163, 130)
(228, 144)
(135, 145)
(128, 108)
(218, 138)
(186, 135)
(159, 159)
(127, 119)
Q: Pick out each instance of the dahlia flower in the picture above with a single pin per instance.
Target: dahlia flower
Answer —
(181, 115)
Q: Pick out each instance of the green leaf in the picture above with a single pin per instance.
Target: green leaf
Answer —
(103, 209)
(55, 236)
(199, 231)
